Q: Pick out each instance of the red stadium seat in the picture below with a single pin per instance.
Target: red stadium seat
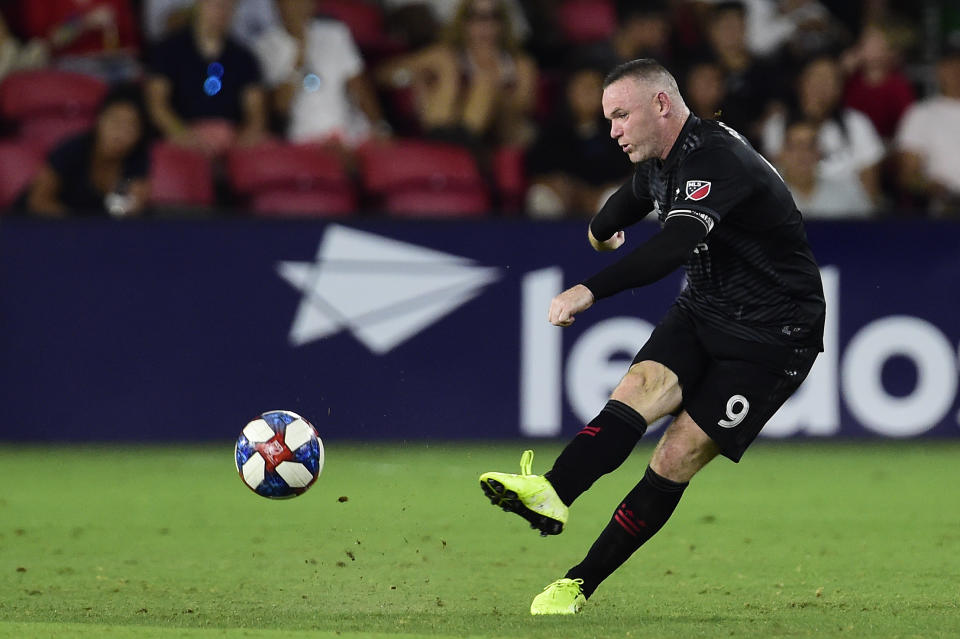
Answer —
(180, 177)
(510, 177)
(466, 202)
(583, 21)
(48, 132)
(409, 174)
(304, 204)
(406, 163)
(19, 162)
(273, 166)
(294, 179)
(48, 93)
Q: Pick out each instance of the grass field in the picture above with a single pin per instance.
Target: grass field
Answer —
(846, 540)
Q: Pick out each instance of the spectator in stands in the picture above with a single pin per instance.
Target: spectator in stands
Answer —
(753, 86)
(849, 145)
(876, 85)
(928, 141)
(100, 37)
(704, 88)
(574, 165)
(802, 27)
(251, 18)
(204, 90)
(317, 80)
(15, 56)
(445, 12)
(104, 170)
(817, 195)
(474, 86)
(643, 31)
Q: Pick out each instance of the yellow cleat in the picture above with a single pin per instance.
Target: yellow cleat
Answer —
(528, 495)
(562, 597)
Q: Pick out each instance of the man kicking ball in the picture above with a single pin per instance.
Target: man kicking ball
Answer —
(737, 342)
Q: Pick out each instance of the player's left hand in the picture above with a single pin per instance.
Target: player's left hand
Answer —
(567, 304)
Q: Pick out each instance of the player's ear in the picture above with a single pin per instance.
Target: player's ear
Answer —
(663, 102)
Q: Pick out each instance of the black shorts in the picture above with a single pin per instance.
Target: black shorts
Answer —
(731, 387)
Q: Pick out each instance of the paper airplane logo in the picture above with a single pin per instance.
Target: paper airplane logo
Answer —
(383, 291)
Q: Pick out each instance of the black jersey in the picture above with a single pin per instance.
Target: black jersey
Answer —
(753, 274)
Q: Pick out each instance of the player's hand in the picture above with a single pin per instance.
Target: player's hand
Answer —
(567, 304)
(612, 244)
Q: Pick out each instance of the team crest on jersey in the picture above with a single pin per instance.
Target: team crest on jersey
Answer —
(697, 189)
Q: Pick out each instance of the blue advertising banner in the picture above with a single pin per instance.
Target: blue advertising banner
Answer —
(176, 330)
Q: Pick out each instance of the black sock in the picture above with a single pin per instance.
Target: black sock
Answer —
(598, 449)
(642, 513)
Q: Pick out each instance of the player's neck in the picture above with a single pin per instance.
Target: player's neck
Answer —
(672, 131)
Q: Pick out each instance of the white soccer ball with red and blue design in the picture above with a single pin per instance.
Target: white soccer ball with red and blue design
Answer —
(279, 455)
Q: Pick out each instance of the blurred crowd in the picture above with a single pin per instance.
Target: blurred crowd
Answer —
(459, 107)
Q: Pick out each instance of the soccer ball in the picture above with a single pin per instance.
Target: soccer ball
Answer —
(279, 455)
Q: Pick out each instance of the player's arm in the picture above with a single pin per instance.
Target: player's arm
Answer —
(621, 209)
(656, 258)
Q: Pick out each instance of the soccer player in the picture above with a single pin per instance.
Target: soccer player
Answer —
(737, 342)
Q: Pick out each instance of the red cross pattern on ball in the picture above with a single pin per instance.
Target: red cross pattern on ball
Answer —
(274, 451)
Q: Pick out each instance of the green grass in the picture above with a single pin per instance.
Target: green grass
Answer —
(858, 540)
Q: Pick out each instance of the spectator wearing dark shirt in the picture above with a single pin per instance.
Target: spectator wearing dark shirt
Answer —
(573, 164)
(643, 31)
(104, 170)
(752, 85)
(203, 89)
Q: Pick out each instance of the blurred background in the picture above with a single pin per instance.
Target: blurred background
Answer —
(360, 209)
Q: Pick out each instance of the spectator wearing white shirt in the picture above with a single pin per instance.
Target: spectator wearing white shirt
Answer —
(928, 141)
(818, 195)
(316, 77)
(849, 145)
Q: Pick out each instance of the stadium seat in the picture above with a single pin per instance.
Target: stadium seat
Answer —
(180, 177)
(48, 132)
(48, 93)
(19, 162)
(509, 177)
(458, 203)
(584, 21)
(303, 204)
(306, 175)
(411, 173)
(46, 106)
(406, 163)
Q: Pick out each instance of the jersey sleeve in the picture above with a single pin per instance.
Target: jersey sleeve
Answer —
(653, 260)
(710, 183)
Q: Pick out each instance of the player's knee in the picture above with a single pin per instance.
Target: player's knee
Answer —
(647, 380)
(682, 451)
(674, 462)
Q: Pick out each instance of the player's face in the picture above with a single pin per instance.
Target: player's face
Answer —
(633, 109)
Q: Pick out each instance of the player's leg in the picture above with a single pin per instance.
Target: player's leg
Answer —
(647, 392)
(682, 451)
(738, 393)
(671, 358)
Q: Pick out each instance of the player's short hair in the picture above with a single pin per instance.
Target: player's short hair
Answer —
(645, 69)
